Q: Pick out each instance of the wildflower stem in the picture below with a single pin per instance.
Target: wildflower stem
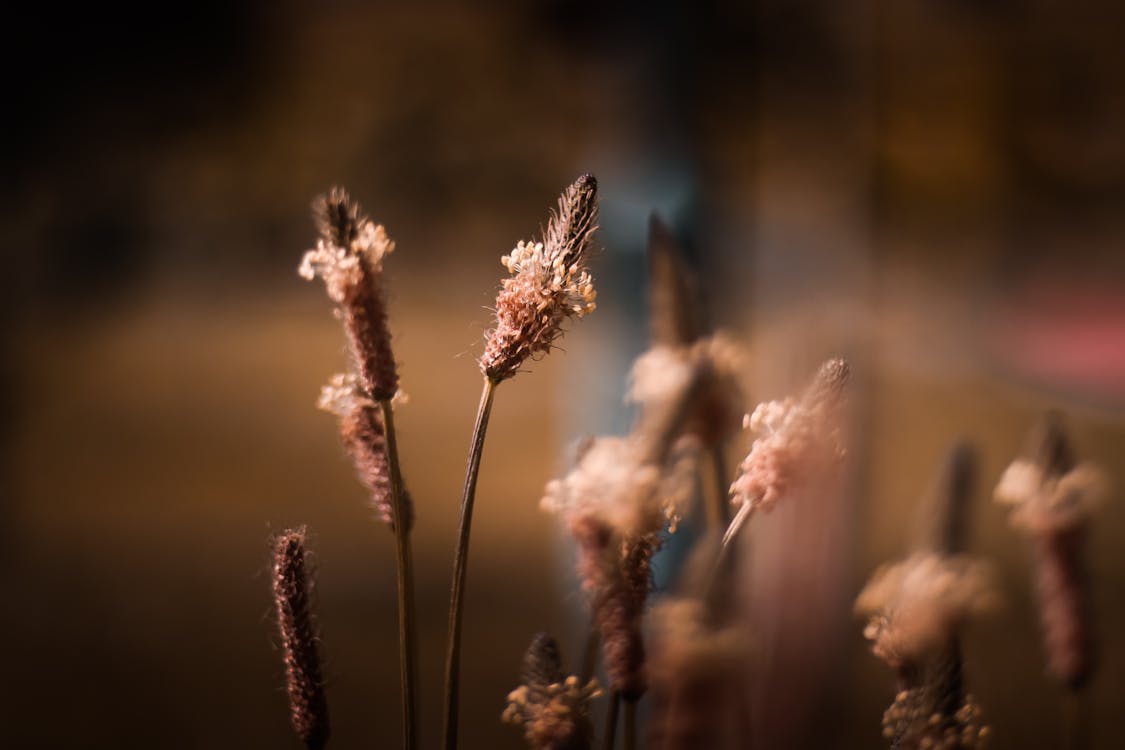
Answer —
(1075, 707)
(611, 721)
(715, 590)
(407, 630)
(590, 654)
(460, 566)
(722, 482)
(630, 724)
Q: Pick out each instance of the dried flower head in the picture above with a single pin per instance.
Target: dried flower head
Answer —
(616, 575)
(1042, 500)
(363, 436)
(349, 258)
(799, 440)
(710, 367)
(915, 722)
(616, 484)
(676, 314)
(549, 284)
(553, 709)
(307, 703)
(1053, 496)
(915, 607)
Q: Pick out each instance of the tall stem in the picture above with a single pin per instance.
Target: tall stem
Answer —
(1076, 729)
(715, 589)
(630, 724)
(611, 721)
(407, 629)
(460, 567)
(590, 654)
(719, 511)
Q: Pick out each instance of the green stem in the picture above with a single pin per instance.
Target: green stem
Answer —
(630, 724)
(611, 721)
(407, 629)
(460, 567)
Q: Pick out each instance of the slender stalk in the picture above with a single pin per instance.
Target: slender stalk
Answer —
(460, 567)
(590, 654)
(1075, 708)
(611, 721)
(719, 512)
(407, 629)
(630, 724)
(714, 590)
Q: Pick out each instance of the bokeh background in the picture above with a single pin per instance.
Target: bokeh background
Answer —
(933, 188)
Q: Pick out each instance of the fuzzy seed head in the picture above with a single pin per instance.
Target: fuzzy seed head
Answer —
(549, 284)
(304, 684)
(1053, 497)
(553, 709)
(365, 440)
(348, 257)
(799, 440)
(914, 608)
(616, 576)
(616, 484)
(662, 374)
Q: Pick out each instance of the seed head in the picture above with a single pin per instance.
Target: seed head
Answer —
(616, 575)
(552, 708)
(915, 722)
(307, 703)
(349, 258)
(676, 311)
(705, 372)
(799, 440)
(548, 285)
(365, 439)
(1048, 488)
(914, 608)
(1053, 496)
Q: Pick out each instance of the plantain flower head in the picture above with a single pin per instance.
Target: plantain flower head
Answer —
(549, 284)
(799, 438)
(916, 606)
(348, 257)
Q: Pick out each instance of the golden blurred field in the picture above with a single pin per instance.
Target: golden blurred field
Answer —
(931, 189)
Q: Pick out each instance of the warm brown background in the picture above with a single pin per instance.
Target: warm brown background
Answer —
(933, 188)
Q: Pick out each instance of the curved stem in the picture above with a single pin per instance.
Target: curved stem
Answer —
(407, 630)
(460, 566)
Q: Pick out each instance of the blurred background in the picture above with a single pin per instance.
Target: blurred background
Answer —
(933, 188)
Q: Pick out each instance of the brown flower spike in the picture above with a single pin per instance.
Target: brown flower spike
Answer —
(307, 703)
(916, 609)
(349, 258)
(552, 708)
(549, 284)
(1052, 497)
(365, 439)
(616, 575)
